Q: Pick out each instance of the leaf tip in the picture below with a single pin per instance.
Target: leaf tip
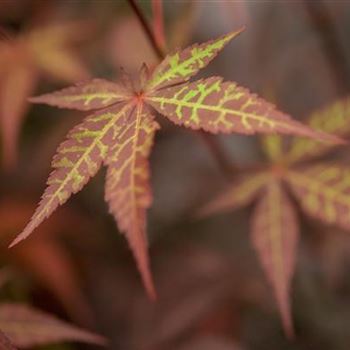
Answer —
(235, 33)
(288, 326)
(23, 235)
(149, 284)
(15, 242)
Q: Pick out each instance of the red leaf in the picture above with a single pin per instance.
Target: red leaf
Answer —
(16, 86)
(275, 235)
(128, 190)
(217, 106)
(27, 327)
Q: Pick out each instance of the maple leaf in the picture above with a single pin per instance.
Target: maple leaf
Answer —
(120, 132)
(334, 119)
(27, 327)
(23, 59)
(127, 184)
(274, 236)
(322, 190)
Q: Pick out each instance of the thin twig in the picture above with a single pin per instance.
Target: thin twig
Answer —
(216, 149)
(158, 23)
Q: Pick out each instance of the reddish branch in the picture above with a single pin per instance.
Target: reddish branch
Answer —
(158, 22)
(221, 158)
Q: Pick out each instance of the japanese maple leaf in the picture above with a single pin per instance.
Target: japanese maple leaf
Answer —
(321, 188)
(22, 60)
(120, 132)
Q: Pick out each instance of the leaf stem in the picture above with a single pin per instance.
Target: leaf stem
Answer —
(216, 149)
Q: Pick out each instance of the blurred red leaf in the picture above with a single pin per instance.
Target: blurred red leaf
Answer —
(5, 343)
(23, 59)
(27, 327)
(58, 274)
(275, 235)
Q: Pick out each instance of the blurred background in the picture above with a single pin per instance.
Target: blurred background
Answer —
(212, 292)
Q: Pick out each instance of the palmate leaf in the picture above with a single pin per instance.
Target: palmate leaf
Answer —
(181, 66)
(217, 106)
(120, 135)
(128, 191)
(77, 160)
(333, 119)
(323, 191)
(275, 236)
(27, 327)
(239, 194)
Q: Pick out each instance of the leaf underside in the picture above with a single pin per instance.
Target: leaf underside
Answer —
(128, 191)
(274, 235)
(323, 191)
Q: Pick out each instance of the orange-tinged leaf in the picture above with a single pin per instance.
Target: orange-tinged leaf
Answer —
(217, 106)
(333, 119)
(22, 60)
(49, 48)
(239, 194)
(128, 191)
(275, 236)
(93, 94)
(62, 65)
(77, 160)
(5, 343)
(323, 191)
(15, 87)
(181, 66)
(27, 327)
